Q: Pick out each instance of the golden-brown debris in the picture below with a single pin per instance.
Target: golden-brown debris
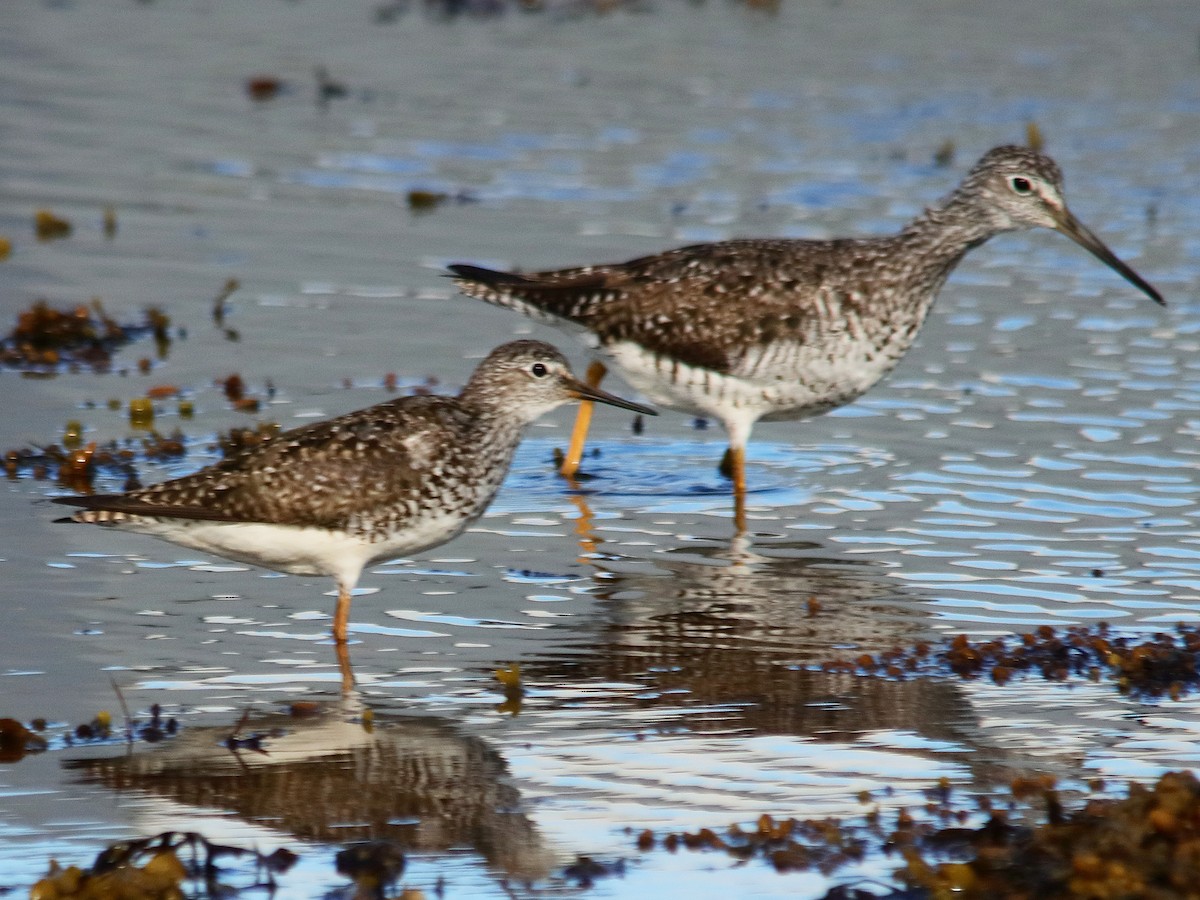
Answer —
(1145, 845)
(16, 740)
(47, 226)
(45, 338)
(1162, 664)
(263, 87)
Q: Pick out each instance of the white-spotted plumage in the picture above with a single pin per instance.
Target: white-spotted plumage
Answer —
(333, 497)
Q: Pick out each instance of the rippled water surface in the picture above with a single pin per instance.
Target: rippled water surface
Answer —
(1031, 462)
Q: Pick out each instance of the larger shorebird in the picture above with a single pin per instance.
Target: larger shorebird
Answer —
(777, 329)
(333, 497)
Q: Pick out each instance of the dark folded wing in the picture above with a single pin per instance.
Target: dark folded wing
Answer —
(706, 305)
(333, 474)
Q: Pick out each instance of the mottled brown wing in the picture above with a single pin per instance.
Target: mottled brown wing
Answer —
(325, 474)
(705, 305)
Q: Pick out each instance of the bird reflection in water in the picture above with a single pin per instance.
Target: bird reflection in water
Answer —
(419, 783)
(739, 629)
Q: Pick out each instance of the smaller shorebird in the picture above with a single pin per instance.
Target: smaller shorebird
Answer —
(333, 497)
(778, 329)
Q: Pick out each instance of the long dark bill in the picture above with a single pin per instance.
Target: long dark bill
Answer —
(584, 392)
(1080, 234)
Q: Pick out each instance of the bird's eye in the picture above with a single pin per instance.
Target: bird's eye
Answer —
(1020, 185)
(539, 370)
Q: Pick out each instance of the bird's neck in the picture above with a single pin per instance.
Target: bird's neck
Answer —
(934, 242)
(493, 424)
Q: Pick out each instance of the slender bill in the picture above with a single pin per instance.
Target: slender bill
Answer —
(1076, 231)
(584, 392)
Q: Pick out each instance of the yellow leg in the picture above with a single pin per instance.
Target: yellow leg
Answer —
(737, 465)
(341, 615)
(583, 419)
(343, 658)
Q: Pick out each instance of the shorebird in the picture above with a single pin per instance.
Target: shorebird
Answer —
(777, 329)
(333, 497)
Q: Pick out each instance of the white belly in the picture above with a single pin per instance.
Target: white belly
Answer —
(785, 381)
(299, 550)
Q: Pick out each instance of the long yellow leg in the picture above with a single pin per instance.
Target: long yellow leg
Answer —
(341, 622)
(737, 465)
(343, 657)
(341, 614)
(583, 420)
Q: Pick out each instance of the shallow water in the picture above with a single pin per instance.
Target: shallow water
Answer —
(1030, 462)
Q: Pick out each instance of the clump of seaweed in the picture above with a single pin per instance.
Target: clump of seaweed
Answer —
(823, 845)
(46, 340)
(262, 88)
(422, 201)
(152, 730)
(48, 226)
(76, 467)
(373, 866)
(16, 741)
(157, 868)
(1145, 845)
(587, 870)
(1163, 664)
(514, 692)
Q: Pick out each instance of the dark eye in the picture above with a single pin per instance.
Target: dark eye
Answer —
(1020, 185)
(539, 370)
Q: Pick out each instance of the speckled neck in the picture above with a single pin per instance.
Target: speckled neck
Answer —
(930, 246)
